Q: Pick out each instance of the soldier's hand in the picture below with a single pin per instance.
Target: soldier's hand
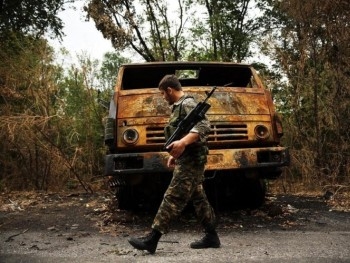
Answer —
(176, 148)
(171, 162)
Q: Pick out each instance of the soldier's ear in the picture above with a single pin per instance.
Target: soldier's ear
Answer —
(169, 90)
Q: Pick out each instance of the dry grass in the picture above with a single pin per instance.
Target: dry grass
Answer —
(337, 195)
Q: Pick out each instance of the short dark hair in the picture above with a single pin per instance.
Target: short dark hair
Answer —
(169, 81)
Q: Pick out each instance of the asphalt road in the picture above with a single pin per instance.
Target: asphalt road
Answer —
(288, 229)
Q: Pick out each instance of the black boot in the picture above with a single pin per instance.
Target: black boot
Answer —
(148, 242)
(210, 240)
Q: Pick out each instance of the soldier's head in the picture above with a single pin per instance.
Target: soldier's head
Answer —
(170, 88)
(169, 81)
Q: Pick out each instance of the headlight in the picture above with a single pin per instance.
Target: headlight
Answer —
(261, 132)
(130, 136)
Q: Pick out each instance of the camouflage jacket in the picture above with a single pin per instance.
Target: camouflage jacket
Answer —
(198, 150)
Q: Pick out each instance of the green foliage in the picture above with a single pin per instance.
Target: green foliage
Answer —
(181, 30)
(311, 47)
(31, 17)
(230, 28)
(51, 123)
(109, 69)
(26, 90)
(143, 26)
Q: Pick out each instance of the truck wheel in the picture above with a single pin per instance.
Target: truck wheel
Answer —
(145, 195)
(256, 192)
(236, 191)
(125, 197)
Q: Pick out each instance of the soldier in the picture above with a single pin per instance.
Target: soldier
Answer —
(188, 157)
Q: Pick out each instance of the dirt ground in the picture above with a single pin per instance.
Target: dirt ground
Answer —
(80, 227)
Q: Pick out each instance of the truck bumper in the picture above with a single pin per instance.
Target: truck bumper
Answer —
(228, 159)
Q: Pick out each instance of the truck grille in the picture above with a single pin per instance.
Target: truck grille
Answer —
(155, 135)
(219, 133)
(228, 132)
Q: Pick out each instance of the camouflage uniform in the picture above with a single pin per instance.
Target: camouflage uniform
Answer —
(187, 182)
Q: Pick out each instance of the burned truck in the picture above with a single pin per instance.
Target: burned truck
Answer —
(244, 143)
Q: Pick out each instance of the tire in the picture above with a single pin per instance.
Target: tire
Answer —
(256, 192)
(146, 195)
(125, 197)
(233, 191)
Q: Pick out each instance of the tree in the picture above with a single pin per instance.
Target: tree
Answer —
(51, 124)
(311, 47)
(80, 137)
(183, 30)
(231, 26)
(31, 17)
(27, 90)
(153, 35)
(109, 69)
(50, 120)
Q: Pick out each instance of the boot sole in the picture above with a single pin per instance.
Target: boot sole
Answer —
(204, 247)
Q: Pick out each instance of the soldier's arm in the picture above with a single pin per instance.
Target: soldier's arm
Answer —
(178, 147)
(202, 128)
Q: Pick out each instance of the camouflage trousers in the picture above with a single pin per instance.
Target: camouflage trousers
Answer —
(186, 185)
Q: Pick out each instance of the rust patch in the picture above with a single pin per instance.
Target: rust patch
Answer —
(244, 158)
(241, 159)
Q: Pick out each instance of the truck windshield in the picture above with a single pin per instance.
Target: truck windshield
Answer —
(189, 75)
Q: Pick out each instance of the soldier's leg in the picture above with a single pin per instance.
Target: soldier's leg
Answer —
(176, 196)
(175, 199)
(206, 216)
(204, 211)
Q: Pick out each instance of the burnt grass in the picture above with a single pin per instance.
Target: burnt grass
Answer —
(279, 212)
(98, 213)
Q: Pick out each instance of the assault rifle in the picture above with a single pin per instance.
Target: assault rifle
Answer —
(196, 115)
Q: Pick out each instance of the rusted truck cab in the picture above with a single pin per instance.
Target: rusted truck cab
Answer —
(244, 143)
